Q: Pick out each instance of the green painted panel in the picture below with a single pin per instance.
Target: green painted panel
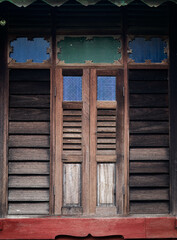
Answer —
(81, 49)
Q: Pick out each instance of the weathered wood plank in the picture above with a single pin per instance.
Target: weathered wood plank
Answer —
(72, 184)
(16, 195)
(106, 104)
(150, 180)
(106, 129)
(106, 158)
(106, 140)
(106, 152)
(149, 207)
(72, 146)
(29, 141)
(148, 86)
(106, 118)
(29, 154)
(21, 114)
(74, 141)
(72, 105)
(30, 101)
(72, 135)
(106, 112)
(72, 130)
(149, 114)
(72, 113)
(106, 146)
(28, 208)
(106, 135)
(106, 124)
(72, 124)
(29, 168)
(148, 75)
(149, 140)
(149, 127)
(149, 194)
(25, 75)
(106, 184)
(29, 127)
(72, 118)
(149, 154)
(28, 182)
(148, 100)
(26, 88)
(149, 167)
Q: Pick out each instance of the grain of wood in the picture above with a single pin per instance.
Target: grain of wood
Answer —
(149, 127)
(149, 194)
(149, 207)
(149, 154)
(29, 101)
(28, 208)
(17, 195)
(29, 127)
(28, 182)
(149, 180)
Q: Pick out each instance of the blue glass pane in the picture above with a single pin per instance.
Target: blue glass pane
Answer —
(25, 49)
(72, 88)
(106, 88)
(152, 49)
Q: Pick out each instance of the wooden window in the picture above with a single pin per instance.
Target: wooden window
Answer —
(89, 137)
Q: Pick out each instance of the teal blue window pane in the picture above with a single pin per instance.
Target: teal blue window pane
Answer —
(25, 49)
(153, 50)
(106, 88)
(72, 88)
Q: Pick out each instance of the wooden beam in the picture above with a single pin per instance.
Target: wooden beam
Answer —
(173, 108)
(3, 119)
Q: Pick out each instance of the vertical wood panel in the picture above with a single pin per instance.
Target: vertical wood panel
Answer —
(3, 120)
(106, 184)
(85, 140)
(93, 123)
(173, 108)
(59, 143)
(71, 184)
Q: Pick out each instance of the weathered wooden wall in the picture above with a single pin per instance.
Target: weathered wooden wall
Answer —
(29, 142)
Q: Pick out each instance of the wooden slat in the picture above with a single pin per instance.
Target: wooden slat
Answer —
(106, 140)
(148, 100)
(29, 75)
(149, 194)
(148, 86)
(72, 147)
(106, 129)
(29, 127)
(28, 208)
(26, 88)
(106, 104)
(68, 140)
(72, 124)
(72, 113)
(29, 168)
(106, 124)
(106, 152)
(149, 167)
(16, 195)
(106, 146)
(106, 118)
(22, 114)
(106, 158)
(72, 118)
(72, 158)
(149, 127)
(72, 152)
(29, 154)
(29, 141)
(106, 112)
(70, 130)
(149, 207)
(72, 105)
(150, 180)
(149, 154)
(149, 114)
(106, 135)
(29, 101)
(149, 140)
(72, 135)
(28, 182)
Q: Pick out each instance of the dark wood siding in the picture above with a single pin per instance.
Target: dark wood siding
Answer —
(29, 142)
(149, 141)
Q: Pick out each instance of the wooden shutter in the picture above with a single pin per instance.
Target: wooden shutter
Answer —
(29, 144)
(149, 141)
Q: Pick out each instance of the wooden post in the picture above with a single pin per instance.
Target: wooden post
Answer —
(173, 106)
(3, 119)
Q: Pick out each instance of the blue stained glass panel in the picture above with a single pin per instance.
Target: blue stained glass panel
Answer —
(25, 49)
(143, 50)
(106, 88)
(72, 88)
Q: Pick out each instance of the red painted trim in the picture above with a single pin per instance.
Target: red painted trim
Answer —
(49, 228)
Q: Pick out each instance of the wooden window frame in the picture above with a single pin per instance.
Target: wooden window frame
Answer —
(89, 125)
